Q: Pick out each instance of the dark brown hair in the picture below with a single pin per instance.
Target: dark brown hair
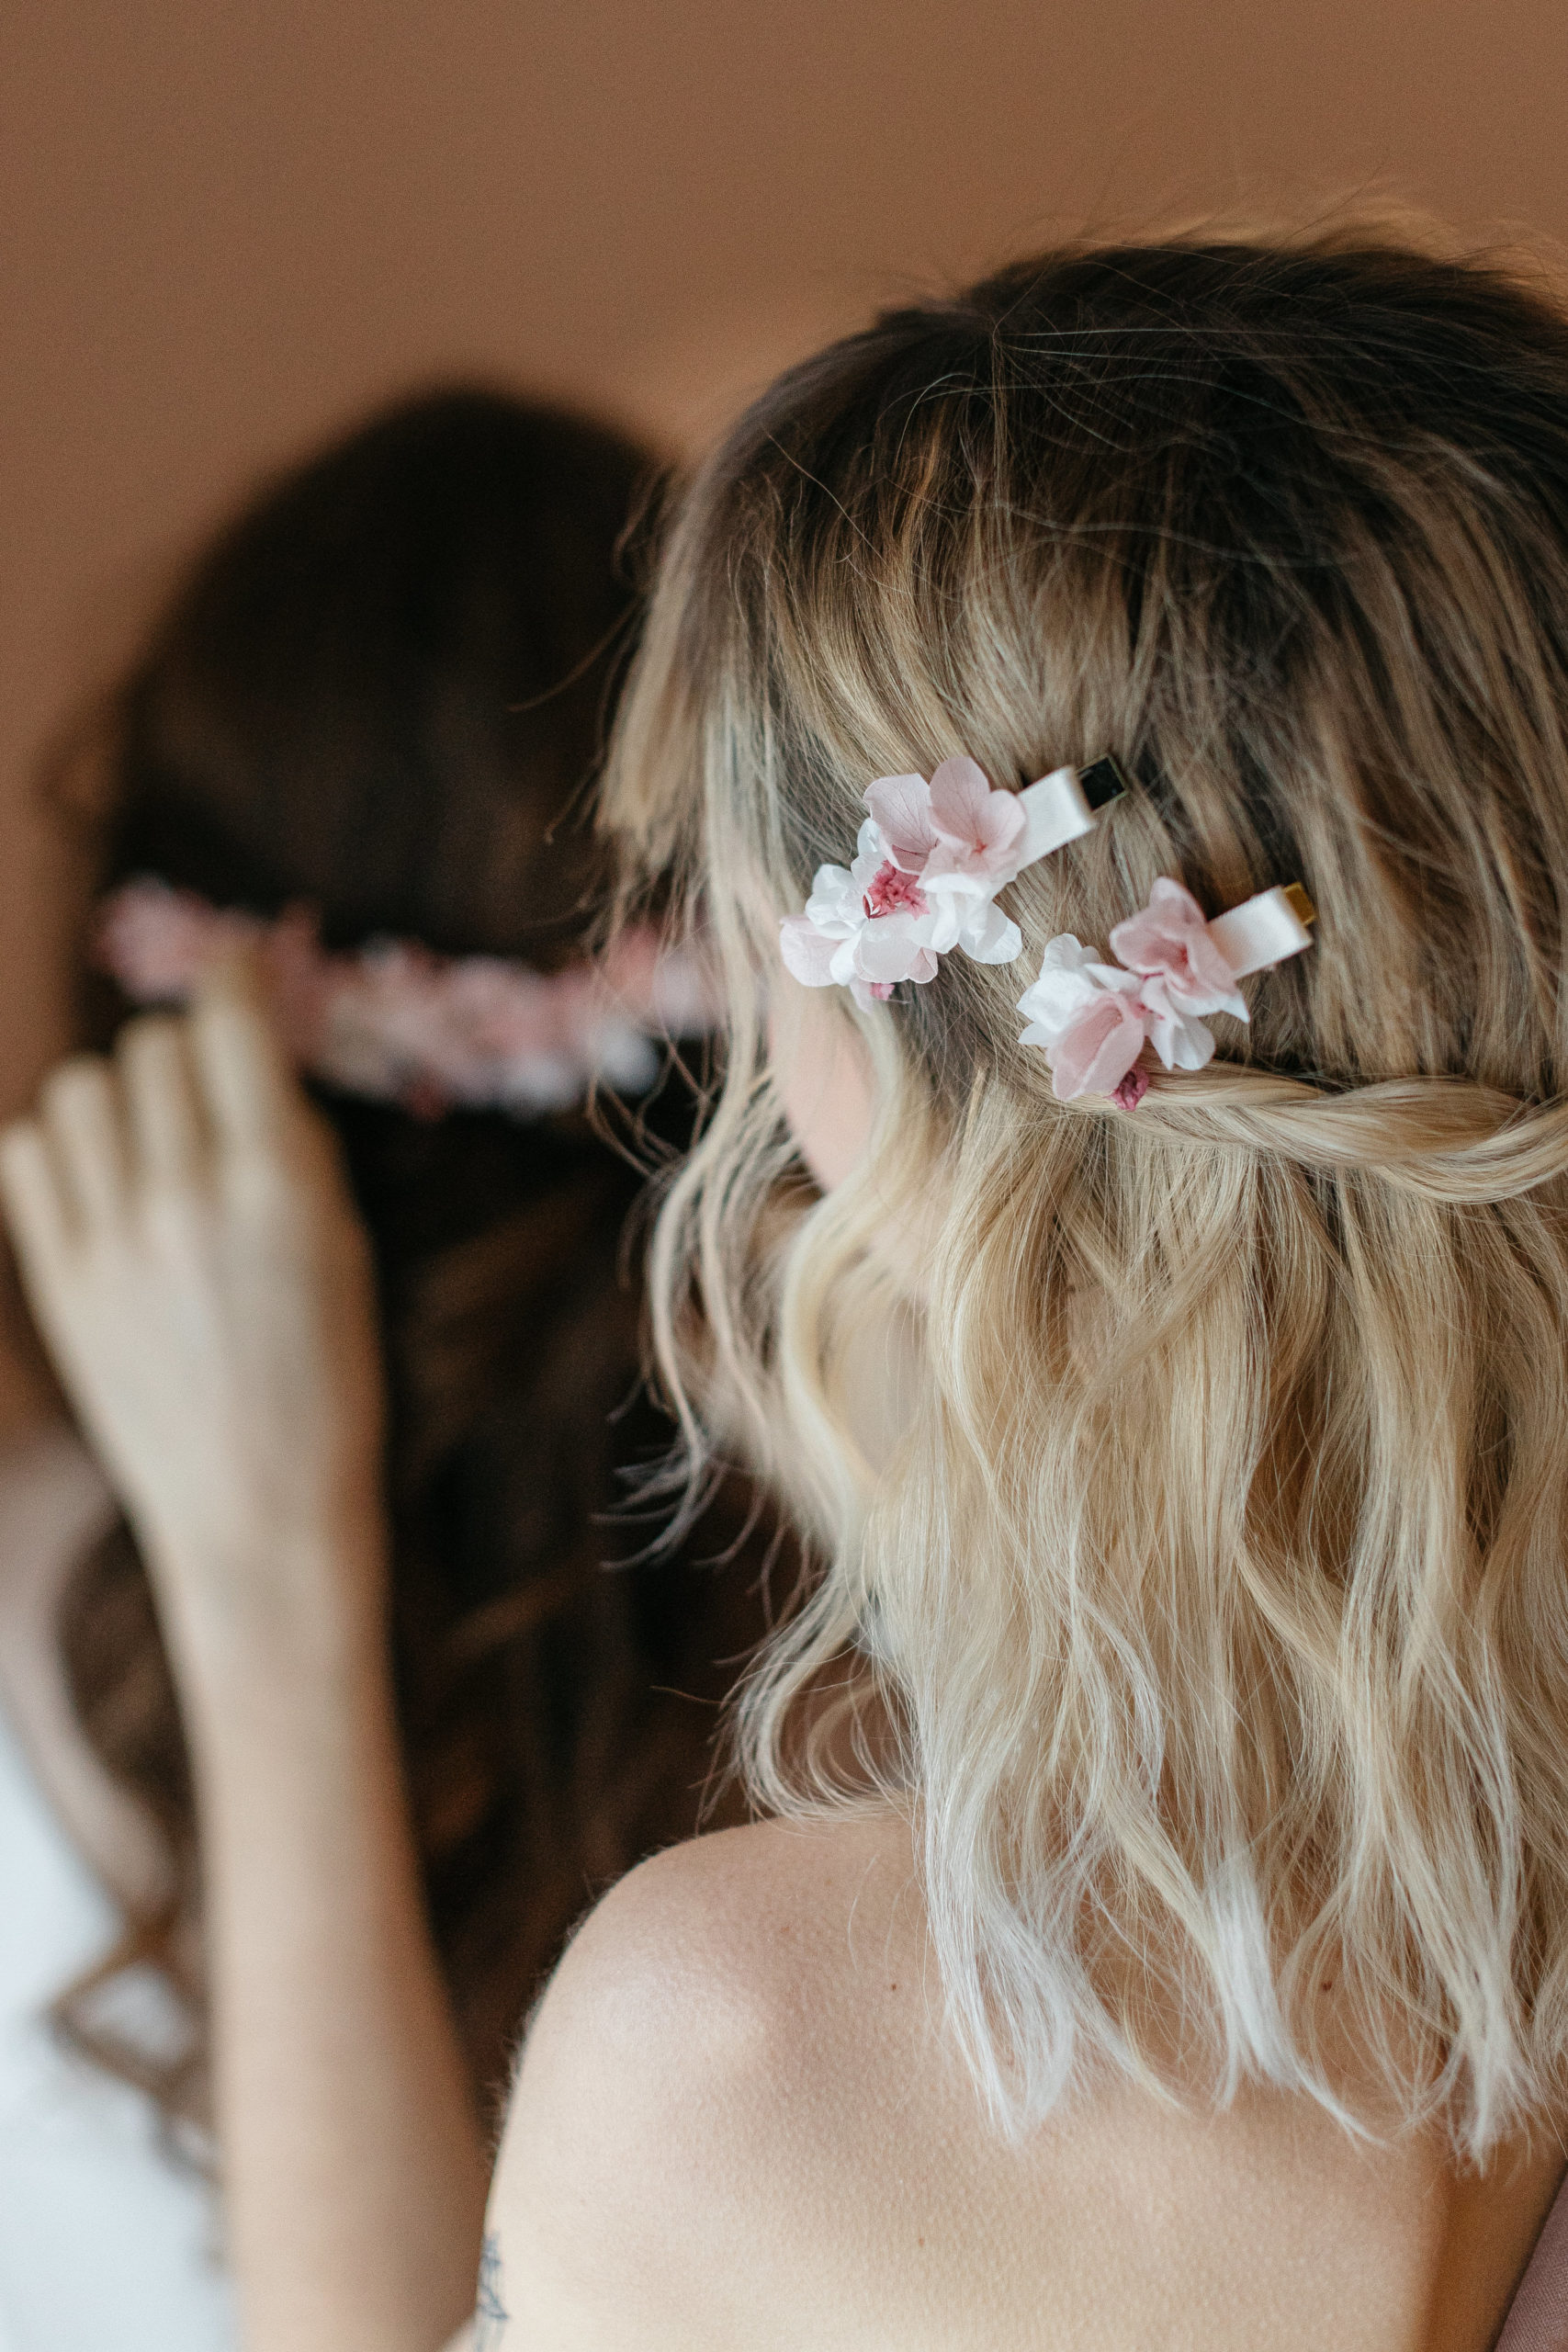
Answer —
(382, 692)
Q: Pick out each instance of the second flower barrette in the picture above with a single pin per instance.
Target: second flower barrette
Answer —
(1174, 965)
(930, 862)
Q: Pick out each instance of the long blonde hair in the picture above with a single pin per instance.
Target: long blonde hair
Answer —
(1211, 1618)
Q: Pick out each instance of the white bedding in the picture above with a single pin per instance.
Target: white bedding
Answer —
(105, 2245)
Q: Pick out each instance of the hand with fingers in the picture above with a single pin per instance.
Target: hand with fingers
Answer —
(198, 1270)
(202, 1280)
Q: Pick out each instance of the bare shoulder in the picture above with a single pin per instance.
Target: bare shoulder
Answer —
(706, 1974)
(681, 2073)
(739, 2123)
(735, 1912)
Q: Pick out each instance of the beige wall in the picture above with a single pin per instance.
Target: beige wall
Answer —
(228, 223)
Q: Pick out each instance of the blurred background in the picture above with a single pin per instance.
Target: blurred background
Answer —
(229, 226)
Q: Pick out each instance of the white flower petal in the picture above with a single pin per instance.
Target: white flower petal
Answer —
(1070, 977)
(834, 906)
(943, 924)
(1181, 1041)
(891, 947)
(937, 884)
(1055, 998)
(1178, 1037)
(808, 953)
(1065, 953)
(1189, 1002)
(846, 963)
(990, 937)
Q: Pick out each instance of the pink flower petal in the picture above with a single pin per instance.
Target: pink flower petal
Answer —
(960, 790)
(1133, 1089)
(891, 948)
(982, 825)
(902, 808)
(807, 954)
(1171, 936)
(1098, 1047)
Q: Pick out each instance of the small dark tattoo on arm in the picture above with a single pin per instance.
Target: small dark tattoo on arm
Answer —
(490, 2312)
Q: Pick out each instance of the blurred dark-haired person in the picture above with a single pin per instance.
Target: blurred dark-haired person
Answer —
(356, 752)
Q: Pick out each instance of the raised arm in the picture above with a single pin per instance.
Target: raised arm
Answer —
(203, 1283)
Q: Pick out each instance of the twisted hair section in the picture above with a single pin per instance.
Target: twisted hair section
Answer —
(1443, 1139)
(1205, 1597)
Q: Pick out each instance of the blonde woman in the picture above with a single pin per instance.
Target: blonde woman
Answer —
(1161, 1935)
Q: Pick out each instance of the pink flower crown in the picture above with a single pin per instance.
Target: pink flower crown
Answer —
(930, 861)
(397, 1024)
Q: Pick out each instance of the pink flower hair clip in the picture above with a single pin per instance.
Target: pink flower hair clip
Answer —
(930, 862)
(1094, 1019)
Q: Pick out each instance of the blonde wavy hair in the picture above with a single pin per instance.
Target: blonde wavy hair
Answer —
(1212, 1616)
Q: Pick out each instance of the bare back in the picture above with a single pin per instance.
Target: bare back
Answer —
(738, 2123)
